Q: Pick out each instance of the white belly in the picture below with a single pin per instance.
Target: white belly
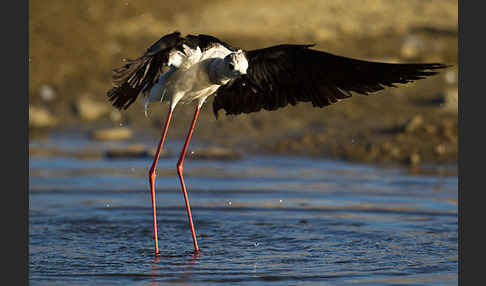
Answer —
(187, 85)
(199, 95)
(190, 80)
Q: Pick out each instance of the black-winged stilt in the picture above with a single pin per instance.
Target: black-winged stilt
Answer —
(192, 68)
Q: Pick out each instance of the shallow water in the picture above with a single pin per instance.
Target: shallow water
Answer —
(273, 220)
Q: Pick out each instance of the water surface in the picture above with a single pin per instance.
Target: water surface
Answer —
(260, 220)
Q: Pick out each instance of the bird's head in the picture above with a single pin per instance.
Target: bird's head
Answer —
(236, 63)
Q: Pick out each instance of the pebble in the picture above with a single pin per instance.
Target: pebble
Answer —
(214, 153)
(89, 109)
(414, 123)
(47, 93)
(413, 159)
(450, 76)
(440, 149)
(431, 129)
(40, 117)
(411, 47)
(115, 133)
(450, 99)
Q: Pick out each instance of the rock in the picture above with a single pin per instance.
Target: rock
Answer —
(411, 47)
(448, 129)
(413, 159)
(388, 148)
(116, 133)
(449, 99)
(132, 151)
(47, 93)
(40, 117)
(88, 109)
(450, 77)
(214, 153)
(413, 124)
(440, 149)
(395, 152)
(448, 124)
(430, 129)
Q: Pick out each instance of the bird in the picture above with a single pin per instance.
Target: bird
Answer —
(177, 69)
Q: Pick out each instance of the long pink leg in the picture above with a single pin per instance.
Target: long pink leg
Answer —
(179, 172)
(152, 178)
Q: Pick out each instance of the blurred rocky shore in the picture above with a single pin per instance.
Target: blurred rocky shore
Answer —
(412, 125)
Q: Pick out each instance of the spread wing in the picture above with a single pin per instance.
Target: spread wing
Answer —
(130, 79)
(288, 74)
(139, 75)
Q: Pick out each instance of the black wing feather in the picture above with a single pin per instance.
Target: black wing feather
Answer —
(205, 42)
(141, 73)
(288, 74)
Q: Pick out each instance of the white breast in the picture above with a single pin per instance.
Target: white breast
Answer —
(187, 80)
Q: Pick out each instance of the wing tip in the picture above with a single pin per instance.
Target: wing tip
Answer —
(122, 96)
(138, 74)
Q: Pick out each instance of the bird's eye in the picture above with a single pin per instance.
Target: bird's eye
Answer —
(231, 66)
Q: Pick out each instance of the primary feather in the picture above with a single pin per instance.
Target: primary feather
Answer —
(288, 74)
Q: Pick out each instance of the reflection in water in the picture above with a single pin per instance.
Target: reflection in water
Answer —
(154, 270)
(186, 275)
